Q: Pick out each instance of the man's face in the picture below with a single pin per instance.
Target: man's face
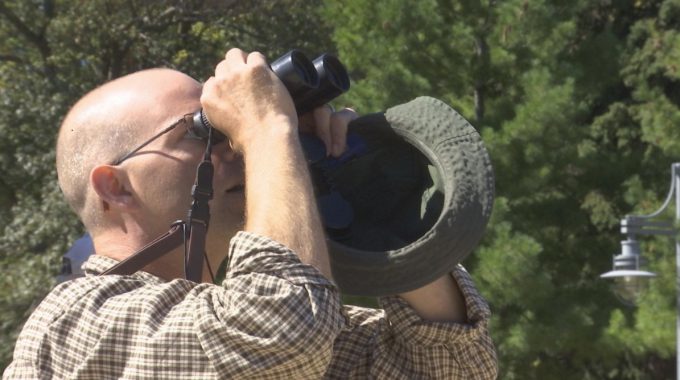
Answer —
(163, 173)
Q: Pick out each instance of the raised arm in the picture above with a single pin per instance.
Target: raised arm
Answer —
(441, 300)
(247, 102)
(398, 342)
(277, 310)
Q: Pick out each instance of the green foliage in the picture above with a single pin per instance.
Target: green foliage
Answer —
(578, 104)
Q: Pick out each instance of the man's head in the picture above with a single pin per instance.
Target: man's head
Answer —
(139, 198)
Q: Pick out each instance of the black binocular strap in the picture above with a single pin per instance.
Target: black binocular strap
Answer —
(150, 252)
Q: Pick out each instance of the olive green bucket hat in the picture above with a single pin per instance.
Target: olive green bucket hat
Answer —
(407, 201)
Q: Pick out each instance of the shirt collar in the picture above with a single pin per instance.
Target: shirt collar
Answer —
(97, 264)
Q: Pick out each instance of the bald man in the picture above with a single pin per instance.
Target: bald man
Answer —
(277, 314)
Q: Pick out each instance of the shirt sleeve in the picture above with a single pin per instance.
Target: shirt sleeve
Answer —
(396, 343)
(281, 315)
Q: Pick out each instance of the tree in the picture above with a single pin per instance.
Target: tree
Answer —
(580, 117)
(51, 53)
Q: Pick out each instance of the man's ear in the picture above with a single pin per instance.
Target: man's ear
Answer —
(111, 185)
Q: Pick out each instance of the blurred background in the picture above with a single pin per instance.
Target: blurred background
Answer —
(578, 102)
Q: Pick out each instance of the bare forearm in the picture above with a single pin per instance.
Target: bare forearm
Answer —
(279, 198)
(440, 300)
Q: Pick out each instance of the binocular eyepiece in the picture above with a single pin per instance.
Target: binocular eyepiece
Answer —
(310, 84)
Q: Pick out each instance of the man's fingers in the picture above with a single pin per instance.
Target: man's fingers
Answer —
(222, 68)
(322, 126)
(339, 136)
(330, 127)
(235, 57)
(339, 123)
(256, 58)
(236, 54)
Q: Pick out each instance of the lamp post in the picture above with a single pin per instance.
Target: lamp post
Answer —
(626, 272)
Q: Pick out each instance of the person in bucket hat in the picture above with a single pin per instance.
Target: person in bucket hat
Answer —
(278, 313)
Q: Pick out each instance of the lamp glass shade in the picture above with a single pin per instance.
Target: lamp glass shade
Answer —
(628, 285)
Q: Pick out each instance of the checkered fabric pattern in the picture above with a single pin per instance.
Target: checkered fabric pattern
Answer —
(272, 318)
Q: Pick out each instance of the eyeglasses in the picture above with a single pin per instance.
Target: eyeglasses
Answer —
(192, 132)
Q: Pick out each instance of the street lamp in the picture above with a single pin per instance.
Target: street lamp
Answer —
(628, 277)
(629, 280)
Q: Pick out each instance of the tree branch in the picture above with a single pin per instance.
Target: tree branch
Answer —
(20, 25)
(38, 39)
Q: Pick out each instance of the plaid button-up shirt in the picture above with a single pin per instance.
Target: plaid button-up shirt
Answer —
(272, 318)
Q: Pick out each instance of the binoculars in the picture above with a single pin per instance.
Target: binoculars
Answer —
(310, 84)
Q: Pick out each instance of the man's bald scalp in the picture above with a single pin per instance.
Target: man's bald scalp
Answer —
(105, 124)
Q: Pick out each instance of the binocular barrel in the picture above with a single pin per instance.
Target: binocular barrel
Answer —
(333, 81)
(296, 72)
(310, 83)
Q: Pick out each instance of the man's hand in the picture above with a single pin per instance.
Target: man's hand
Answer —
(329, 126)
(251, 106)
(245, 99)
